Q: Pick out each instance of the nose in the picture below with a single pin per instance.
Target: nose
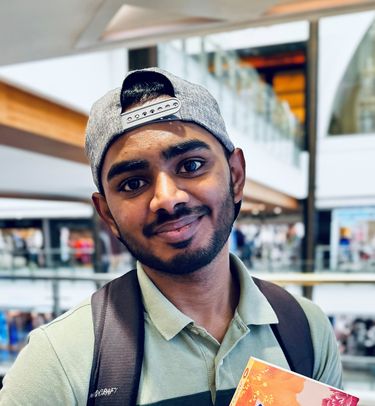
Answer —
(167, 194)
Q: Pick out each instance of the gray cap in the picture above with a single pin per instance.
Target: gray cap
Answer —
(192, 103)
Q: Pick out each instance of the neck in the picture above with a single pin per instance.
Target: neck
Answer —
(209, 295)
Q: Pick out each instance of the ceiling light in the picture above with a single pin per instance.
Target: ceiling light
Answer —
(277, 210)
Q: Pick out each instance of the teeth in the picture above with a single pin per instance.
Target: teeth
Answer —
(179, 229)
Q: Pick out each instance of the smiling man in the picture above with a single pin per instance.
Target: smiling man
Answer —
(168, 194)
(180, 328)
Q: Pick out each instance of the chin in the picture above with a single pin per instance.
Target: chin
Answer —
(182, 244)
(183, 263)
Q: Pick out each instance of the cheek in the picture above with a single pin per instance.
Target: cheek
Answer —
(128, 216)
(212, 190)
(220, 181)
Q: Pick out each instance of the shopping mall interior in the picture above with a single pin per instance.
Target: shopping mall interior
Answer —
(295, 82)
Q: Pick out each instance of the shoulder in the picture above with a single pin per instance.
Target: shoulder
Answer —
(71, 336)
(313, 312)
(56, 362)
(319, 323)
(327, 364)
(75, 324)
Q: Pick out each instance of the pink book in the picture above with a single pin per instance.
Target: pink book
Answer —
(264, 384)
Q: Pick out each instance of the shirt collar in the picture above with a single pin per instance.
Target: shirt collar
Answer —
(168, 320)
(253, 307)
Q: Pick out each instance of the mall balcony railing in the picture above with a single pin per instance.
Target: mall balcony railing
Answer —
(267, 259)
(72, 259)
(345, 259)
(249, 105)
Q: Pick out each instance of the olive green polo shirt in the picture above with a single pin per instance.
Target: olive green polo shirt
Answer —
(183, 364)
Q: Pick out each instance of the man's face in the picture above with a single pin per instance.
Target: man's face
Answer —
(170, 194)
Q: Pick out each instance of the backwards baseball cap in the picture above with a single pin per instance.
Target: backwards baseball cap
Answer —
(108, 121)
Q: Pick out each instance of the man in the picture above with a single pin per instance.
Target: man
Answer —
(170, 185)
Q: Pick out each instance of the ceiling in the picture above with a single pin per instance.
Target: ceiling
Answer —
(26, 173)
(39, 29)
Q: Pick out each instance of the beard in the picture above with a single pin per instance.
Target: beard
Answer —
(186, 261)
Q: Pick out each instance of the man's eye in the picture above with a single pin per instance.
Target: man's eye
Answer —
(132, 185)
(191, 166)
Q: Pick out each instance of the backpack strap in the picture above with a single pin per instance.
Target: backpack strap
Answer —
(119, 338)
(117, 311)
(293, 330)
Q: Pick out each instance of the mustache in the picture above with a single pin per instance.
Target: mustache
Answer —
(180, 211)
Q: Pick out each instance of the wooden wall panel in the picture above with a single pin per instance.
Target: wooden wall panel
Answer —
(35, 115)
(257, 193)
(16, 138)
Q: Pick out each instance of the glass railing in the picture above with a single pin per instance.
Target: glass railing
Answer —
(347, 259)
(249, 106)
(71, 259)
(267, 257)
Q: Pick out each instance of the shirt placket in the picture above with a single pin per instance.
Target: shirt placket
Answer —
(215, 353)
(209, 348)
(223, 373)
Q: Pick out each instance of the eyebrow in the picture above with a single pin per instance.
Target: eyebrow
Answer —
(169, 153)
(182, 148)
(126, 166)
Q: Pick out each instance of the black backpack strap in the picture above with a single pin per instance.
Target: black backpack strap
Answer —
(119, 342)
(293, 330)
(115, 374)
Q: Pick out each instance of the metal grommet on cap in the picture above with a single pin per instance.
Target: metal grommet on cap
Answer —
(150, 113)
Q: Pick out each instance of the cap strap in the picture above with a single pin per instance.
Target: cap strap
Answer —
(150, 113)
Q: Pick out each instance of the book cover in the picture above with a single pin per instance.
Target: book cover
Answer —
(264, 384)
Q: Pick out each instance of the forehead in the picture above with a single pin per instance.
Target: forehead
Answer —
(154, 138)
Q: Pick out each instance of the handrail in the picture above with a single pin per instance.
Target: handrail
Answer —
(316, 278)
(283, 278)
(58, 275)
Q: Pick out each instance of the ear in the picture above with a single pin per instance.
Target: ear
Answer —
(104, 212)
(237, 167)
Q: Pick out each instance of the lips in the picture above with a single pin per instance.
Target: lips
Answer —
(178, 230)
(175, 224)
